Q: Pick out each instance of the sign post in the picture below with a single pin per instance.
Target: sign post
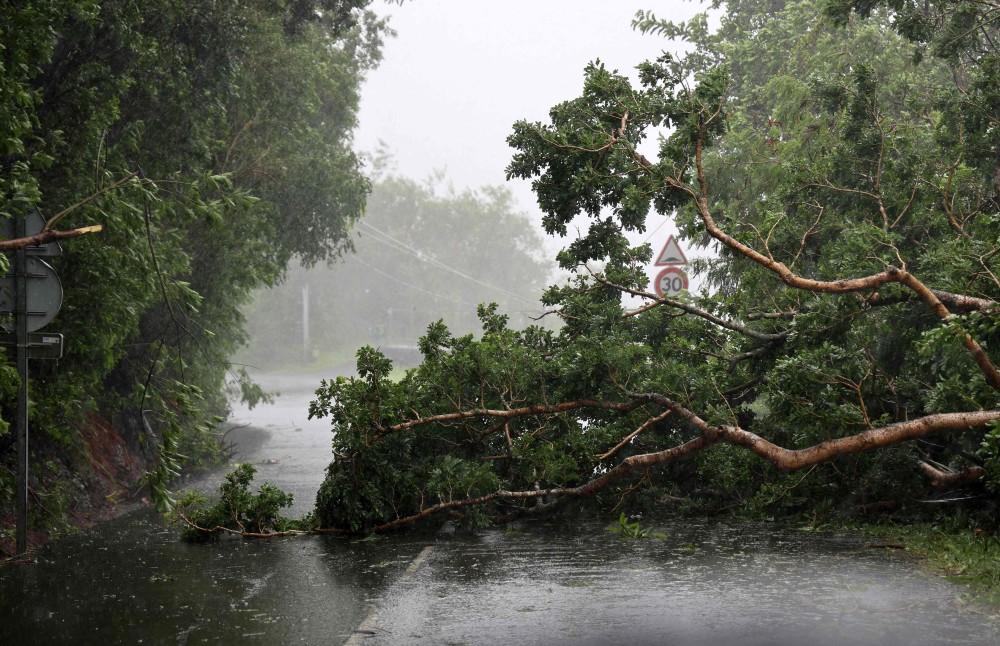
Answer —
(21, 357)
(672, 280)
(33, 294)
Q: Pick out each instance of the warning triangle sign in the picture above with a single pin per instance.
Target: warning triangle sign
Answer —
(671, 254)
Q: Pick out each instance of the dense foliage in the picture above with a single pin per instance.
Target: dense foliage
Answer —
(212, 140)
(843, 167)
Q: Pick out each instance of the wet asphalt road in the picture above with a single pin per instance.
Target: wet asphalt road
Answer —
(132, 581)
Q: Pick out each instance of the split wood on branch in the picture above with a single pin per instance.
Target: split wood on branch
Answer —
(940, 478)
(47, 235)
(962, 302)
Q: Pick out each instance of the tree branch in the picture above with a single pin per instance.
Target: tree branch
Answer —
(47, 235)
(620, 471)
(795, 459)
(239, 532)
(512, 413)
(691, 309)
(780, 457)
(941, 478)
(61, 214)
(649, 422)
(843, 286)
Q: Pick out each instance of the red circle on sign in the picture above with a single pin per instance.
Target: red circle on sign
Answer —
(670, 282)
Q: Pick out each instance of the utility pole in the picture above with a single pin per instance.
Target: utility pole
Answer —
(305, 321)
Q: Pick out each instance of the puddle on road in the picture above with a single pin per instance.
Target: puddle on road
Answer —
(132, 581)
(705, 583)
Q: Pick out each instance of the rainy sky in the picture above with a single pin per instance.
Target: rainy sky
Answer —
(460, 73)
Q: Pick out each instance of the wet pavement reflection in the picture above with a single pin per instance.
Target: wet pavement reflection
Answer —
(704, 583)
(132, 581)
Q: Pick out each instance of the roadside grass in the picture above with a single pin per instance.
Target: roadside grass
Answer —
(965, 555)
(330, 359)
(320, 361)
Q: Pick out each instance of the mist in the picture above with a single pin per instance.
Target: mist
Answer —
(435, 116)
(422, 253)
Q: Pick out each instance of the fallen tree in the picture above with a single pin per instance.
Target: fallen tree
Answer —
(847, 317)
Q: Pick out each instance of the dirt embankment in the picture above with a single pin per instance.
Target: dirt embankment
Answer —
(102, 479)
(98, 480)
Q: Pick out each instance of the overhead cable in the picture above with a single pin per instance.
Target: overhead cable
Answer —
(420, 255)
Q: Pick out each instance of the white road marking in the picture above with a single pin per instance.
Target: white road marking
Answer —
(367, 627)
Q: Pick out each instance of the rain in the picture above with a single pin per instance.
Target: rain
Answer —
(447, 228)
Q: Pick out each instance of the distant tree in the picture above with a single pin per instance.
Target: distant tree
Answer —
(848, 186)
(421, 254)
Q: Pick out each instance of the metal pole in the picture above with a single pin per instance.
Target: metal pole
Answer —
(21, 327)
(305, 321)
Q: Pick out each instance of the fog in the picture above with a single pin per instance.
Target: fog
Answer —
(459, 74)
(423, 253)
(437, 113)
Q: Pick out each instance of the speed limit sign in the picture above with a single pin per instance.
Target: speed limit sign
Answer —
(671, 282)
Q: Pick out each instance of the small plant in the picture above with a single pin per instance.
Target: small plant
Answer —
(629, 529)
(238, 511)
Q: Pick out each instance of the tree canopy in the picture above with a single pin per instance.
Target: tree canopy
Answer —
(212, 140)
(841, 163)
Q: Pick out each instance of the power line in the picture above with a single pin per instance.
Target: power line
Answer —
(397, 281)
(420, 255)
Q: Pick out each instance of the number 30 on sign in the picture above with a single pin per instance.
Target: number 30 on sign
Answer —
(671, 282)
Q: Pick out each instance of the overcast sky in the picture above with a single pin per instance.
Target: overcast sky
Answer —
(461, 72)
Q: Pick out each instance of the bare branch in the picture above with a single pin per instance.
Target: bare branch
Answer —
(809, 232)
(514, 412)
(691, 309)
(627, 466)
(240, 532)
(61, 214)
(649, 422)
